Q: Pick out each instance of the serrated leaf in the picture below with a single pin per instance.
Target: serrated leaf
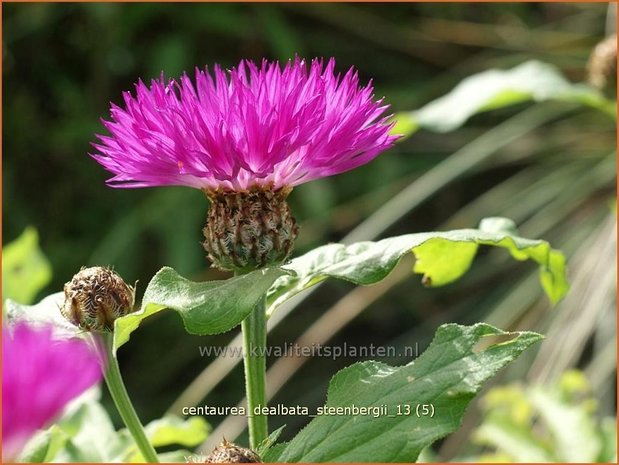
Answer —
(265, 445)
(530, 81)
(446, 376)
(210, 307)
(25, 270)
(442, 257)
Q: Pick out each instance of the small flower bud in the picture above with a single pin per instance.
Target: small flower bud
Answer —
(228, 452)
(95, 297)
(250, 229)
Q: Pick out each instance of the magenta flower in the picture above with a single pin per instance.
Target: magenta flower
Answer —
(252, 126)
(40, 375)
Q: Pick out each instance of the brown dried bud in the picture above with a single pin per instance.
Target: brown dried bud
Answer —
(95, 297)
(228, 452)
(249, 230)
(602, 65)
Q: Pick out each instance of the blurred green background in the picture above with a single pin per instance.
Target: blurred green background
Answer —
(64, 63)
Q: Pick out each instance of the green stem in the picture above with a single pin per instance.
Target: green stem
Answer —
(254, 329)
(119, 394)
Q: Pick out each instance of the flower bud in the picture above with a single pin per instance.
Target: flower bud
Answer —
(95, 297)
(250, 229)
(228, 452)
(602, 65)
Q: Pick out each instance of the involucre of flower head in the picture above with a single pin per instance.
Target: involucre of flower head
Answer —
(40, 375)
(95, 297)
(252, 126)
(245, 137)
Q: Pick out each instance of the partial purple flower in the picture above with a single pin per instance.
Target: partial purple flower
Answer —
(266, 126)
(246, 137)
(40, 375)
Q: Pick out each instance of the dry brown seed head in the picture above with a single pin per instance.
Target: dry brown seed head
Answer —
(228, 452)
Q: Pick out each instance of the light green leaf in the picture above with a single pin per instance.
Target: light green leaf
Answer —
(25, 270)
(492, 89)
(442, 257)
(519, 443)
(572, 427)
(167, 431)
(44, 446)
(210, 307)
(608, 435)
(445, 377)
(92, 436)
(171, 430)
(176, 456)
(45, 313)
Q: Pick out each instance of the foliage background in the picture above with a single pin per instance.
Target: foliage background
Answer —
(63, 63)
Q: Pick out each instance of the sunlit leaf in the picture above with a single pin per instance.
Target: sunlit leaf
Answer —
(25, 270)
(575, 434)
(519, 443)
(442, 257)
(171, 430)
(493, 89)
(445, 377)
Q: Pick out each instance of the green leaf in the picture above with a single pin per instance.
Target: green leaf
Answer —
(519, 443)
(25, 270)
(442, 257)
(168, 431)
(92, 436)
(177, 456)
(171, 430)
(493, 89)
(265, 445)
(210, 307)
(608, 435)
(44, 446)
(446, 377)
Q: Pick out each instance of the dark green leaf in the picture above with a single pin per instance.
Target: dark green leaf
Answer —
(206, 308)
(445, 377)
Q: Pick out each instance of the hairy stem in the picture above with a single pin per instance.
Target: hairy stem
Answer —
(254, 331)
(119, 394)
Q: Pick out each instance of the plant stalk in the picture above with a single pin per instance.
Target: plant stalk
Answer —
(120, 396)
(254, 329)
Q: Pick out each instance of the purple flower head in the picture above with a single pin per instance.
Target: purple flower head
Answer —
(40, 375)
(249, 126)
